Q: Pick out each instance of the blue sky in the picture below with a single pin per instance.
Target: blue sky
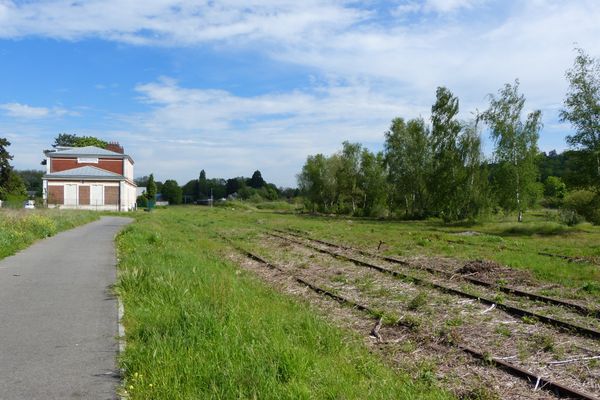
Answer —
(234, 86)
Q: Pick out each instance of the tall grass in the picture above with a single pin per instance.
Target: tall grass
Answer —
(200, 328)
(20, 228)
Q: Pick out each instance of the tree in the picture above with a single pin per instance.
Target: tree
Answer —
(554, 187)
(257, 180)
(14, 187)
(582, 107)
(515, 147)
(32, 180)
(151, 188)
(5, 167)
(234, 185)
(172, 192)
(446, 164)
(202, 189)
(372, 183)
(317, 183)
(142, 181)
(70, 140)
(407, 157)
(347, 177)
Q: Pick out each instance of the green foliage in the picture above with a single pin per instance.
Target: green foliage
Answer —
(202, 188)
(13, 190)
(172, 192)
(257, 180)
(408, 157)
(142, 201)
(351, 181)
(515, 148)
(20, 228)
(70, 140)
(199, 327)
(5, 167)
(584, 203)
(151, 188)
(555, 187)
(582, 107)
(32, 179)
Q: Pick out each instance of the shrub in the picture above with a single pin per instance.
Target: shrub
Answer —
(142, 201)
(584, 203)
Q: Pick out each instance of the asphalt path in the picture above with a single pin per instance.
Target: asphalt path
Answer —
(58, 318)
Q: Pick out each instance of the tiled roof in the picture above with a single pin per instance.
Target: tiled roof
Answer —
(85, 151)
(84, 172)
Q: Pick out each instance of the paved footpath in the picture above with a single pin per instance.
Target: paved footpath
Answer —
(58, 318)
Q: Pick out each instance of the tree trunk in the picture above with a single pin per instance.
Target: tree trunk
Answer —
(520, 217)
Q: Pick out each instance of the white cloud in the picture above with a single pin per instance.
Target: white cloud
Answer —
(173, 21)
(18, 110)
(24, 111)
(382, 67)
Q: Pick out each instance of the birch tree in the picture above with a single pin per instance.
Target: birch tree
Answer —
(407, 156)
(582, 108)
(515, 146)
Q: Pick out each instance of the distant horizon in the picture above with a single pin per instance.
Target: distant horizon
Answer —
(185, 86)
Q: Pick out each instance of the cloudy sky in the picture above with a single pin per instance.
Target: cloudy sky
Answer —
(236, 85)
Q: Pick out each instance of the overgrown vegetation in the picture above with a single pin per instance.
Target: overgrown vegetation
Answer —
(198, 327)
(437, 169)
(19, 229)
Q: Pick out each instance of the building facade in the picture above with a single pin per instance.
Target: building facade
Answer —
(89, 178)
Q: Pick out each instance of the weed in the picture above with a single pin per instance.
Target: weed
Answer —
(543, 342)
(503, 330)
(529, 320)
(407, 346)
(591, 287)
(480, 393)
(418, 301)
(456, 321)
(196, 329)
(413, 322)
(449, 335)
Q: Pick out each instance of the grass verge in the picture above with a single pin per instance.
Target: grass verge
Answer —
(20, 228)
(198, 327)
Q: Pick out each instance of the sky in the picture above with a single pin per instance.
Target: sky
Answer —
(234, 86)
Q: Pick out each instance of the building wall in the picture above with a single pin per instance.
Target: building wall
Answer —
(108, 164)
(86, 195)
(128, 169)
(128, 196)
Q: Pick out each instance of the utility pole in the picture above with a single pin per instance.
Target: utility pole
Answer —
(211, 197)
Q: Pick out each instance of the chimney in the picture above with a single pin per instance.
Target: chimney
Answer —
(116, 147)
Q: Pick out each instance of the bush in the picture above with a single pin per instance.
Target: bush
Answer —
(584, 203)
(142, 201)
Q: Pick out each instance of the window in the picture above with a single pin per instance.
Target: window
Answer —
(87, 160)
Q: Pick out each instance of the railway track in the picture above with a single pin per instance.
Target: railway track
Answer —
(515, 311)
(541, 382)
(584, 259)
(585, 311)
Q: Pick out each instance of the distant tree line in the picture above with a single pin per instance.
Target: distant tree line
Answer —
(435, 167)
(254, 188)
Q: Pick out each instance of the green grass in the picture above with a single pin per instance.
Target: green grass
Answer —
(20, 228)
(199, 328)
(501, 240)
